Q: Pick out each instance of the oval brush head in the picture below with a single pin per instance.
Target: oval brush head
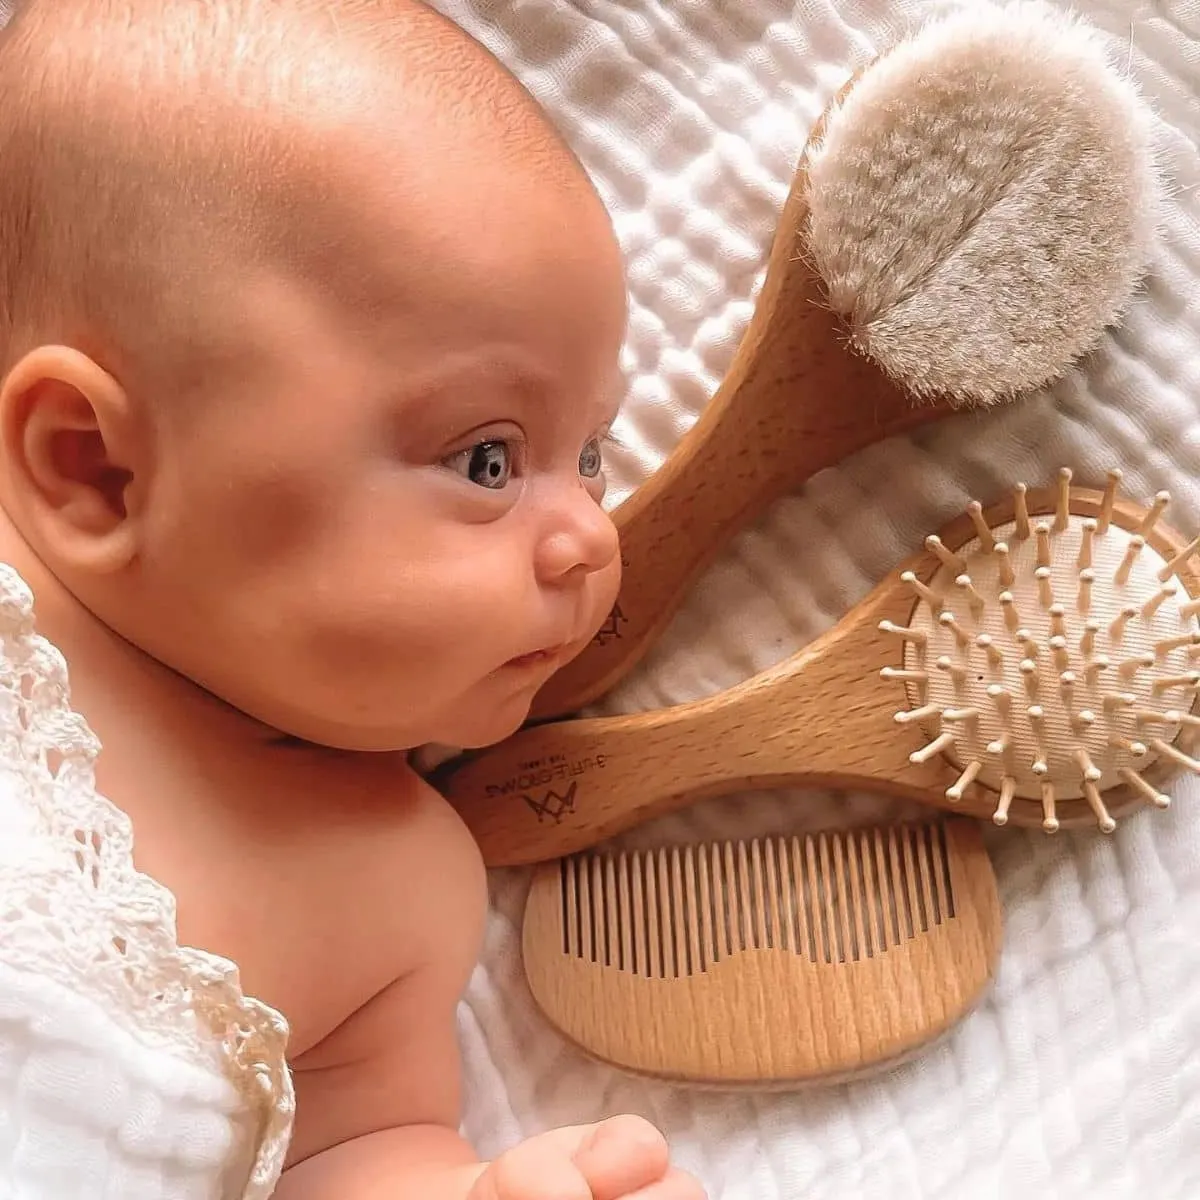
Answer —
(1054, 659)
(982, 202)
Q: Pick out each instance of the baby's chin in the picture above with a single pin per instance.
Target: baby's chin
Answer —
(469, 725)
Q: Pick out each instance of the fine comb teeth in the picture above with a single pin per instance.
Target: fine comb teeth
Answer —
(868, 944)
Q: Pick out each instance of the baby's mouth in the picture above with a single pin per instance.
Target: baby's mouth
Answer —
(537, 658)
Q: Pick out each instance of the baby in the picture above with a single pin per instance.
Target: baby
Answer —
(309, 327)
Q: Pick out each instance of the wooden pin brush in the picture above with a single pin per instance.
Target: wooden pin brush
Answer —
(965, 222)
(773, 963)
(1036, 664)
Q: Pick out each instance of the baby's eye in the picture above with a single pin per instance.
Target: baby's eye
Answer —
(488, 464)
(591, 460)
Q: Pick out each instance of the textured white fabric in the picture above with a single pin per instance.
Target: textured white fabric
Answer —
(1080, 1074)
(130, 1068)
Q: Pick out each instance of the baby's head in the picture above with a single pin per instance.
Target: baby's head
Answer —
(309, 338)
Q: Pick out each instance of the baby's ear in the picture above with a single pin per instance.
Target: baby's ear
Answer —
(71, 443)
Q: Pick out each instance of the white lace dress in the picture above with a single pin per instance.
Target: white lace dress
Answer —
(131, 1068)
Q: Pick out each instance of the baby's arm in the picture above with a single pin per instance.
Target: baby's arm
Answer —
(378, 1109)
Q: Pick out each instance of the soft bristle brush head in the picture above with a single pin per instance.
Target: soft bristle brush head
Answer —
(983, 202)
(1055, 658)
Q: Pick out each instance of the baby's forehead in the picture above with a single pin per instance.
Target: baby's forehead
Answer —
(240, 129)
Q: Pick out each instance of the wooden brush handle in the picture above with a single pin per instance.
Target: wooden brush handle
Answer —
(554, 789)
(796, 400)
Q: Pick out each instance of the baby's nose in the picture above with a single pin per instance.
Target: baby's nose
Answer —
(580, 540)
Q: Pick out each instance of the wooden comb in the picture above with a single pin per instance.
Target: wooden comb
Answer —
(775, 963)
(1045, 671)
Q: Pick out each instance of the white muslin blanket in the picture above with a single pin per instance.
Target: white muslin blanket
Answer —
(1080, 1073)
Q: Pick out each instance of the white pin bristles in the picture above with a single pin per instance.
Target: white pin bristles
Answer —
(1045, 690)
(1166, 645)
(1042, 530)
(1087, 544)
(1157, 798)
(1007, 575)
(1086, 578)
(1008, 789)
(917, 636)
(926, 593)
(1151, 716)
(1058, 620)
(946, 557)
(1103, 816)
(1173, 564)
(949, 621)
(1083, 720)
(1090, 771)
(1127, 668)
(1058, 647)
(988, 646)
(1161, 500)
(975, 601)
(956, 790)
(908, 715)
(1062, 507)
(1029, 674)
(940, 743)
(960, 714)
(1000, 745)
(903, 675)
(1132, 551)
(1110, 498)
(1116, 628)
(1037, 722)
(1177, 756)
(956, 671)
(1049, 817)
(1043, 575)
(1169, 682)
(1008, 605)
(1156, 601)
(1021, 509)
(1119, 742)
(1087, 643)
(1189, 720)
(986, 541)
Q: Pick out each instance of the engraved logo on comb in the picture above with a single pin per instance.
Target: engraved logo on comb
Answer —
(548, 786)
(611, 629)
(551, 805)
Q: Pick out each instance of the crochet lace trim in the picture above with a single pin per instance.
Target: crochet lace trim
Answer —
(74, 909)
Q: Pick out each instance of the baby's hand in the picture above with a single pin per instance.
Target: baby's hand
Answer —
(624, 1158)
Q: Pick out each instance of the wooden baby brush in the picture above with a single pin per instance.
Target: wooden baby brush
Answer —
(773, 963)
(965, 222)
(1037, 663)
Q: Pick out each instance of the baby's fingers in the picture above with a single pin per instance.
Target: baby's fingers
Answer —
(535, 1170)
(675, 1185)
(622, 1156)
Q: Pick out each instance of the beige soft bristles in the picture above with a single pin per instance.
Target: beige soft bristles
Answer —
(984, 201)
